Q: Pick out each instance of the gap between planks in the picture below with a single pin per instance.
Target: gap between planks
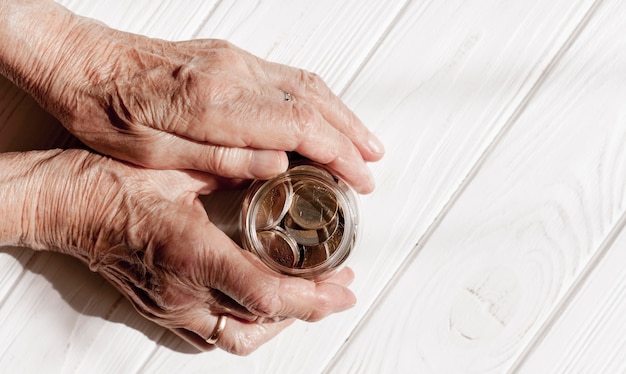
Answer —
(205, 20)
(341, 93)
(498, 138)
(375, 48)
(571, 293)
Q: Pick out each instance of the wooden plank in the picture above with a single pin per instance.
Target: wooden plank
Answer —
(55, 323)
(587, 332)
(390, 100)
(166, 19)
(519, 237)
(101, 328)
(438, 90)
(331, 38)
(12, 263)
(94, 336)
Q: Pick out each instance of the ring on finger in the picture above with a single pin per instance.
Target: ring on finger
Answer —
(217, 331)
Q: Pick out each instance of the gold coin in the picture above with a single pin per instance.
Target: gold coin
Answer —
(334, 241)
(279, 247)
(313, 205)
(273, 206)
(309, 237)
(313, 256)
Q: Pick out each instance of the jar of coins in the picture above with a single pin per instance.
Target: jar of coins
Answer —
(302, 222)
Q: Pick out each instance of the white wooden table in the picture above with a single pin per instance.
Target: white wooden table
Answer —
(495, 240)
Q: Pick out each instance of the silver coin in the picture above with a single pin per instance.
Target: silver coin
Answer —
(313, 205)
(280, 247)
(273, 206)
(309, 237)
(314, 255)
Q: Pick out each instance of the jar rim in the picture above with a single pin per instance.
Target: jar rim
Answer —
(346, 202)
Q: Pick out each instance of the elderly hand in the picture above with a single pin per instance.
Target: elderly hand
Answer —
(203, 105)
(147, 232)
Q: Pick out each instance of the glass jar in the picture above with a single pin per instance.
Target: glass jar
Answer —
(303, 222)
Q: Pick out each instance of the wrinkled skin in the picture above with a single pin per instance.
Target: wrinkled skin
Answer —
(203, 105)
(186, 116)
(147, 232)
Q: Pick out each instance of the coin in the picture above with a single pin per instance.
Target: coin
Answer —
(311, 256)
(313, 205)
(300, 223)
(334, 241)
(273, 206)
(309, 237)
(279, 247)
(314, 255)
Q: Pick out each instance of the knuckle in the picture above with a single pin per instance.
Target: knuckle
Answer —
(224, 161)
(311, 80)
(305, 121)
(316, 87)
(324, 308)
(219, 43)
(224, 56)
(240, 347)
(268, 304)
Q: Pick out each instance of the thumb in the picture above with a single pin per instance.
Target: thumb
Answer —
(231, 162)
(245, 279)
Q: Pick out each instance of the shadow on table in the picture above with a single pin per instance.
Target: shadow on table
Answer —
(89, 294)
(25, 126)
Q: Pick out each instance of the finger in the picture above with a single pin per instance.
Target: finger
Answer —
(242, 338)
(268, 123)
(237, 337)
(231, 162)
(172, 184)
(240, 275)
(309, 87)
(343, 277)
(315, 139)
(223, 304)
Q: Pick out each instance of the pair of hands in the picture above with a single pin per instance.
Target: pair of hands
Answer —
(185, 118)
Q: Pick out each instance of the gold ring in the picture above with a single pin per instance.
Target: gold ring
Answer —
(217, 331)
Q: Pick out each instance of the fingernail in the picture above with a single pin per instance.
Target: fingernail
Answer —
(375, 145)
(368, 185)
(349, 300)
(371, 184)
(266, 164)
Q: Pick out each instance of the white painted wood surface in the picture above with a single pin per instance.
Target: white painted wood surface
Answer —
(495, 237)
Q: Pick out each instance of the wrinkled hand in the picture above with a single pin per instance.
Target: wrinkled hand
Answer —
(204, 105)
(147, 232)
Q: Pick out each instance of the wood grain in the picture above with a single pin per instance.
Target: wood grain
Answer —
(51, 307)
(438, 82)
(437, 112)
(146, 18)
(330, 38)
(520, 236)
(167, 19)
(585, 333)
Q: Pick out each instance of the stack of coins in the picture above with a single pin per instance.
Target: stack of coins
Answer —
(298, 221)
